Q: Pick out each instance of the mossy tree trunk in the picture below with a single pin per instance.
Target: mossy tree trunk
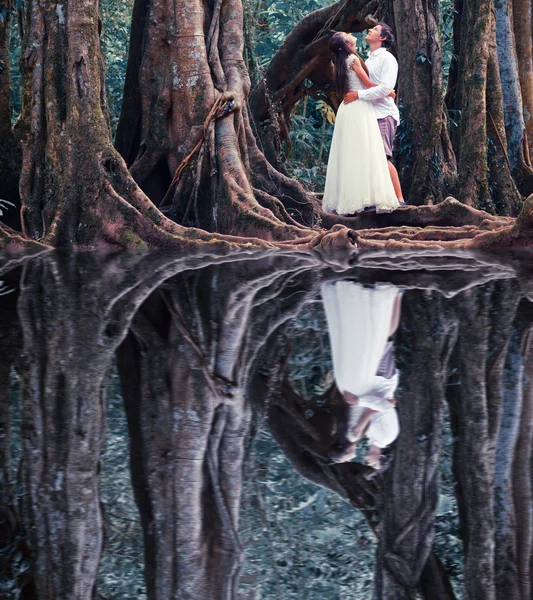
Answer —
(75, 187)
(515, 56)
(10, 156)
(186, 57)
(475, 96)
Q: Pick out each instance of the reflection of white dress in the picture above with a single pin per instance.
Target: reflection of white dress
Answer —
(359, 320)
(358, 174)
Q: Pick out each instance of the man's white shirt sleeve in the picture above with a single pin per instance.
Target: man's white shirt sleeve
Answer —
(386, 76)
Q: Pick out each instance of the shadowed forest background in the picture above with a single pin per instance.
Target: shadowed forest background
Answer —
(156, 124)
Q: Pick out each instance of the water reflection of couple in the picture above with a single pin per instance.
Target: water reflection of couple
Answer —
(360, 173)
(362, 322)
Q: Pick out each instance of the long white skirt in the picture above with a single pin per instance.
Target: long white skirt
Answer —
(359, 320)
(358, 174)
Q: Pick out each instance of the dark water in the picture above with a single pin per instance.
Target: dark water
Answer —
(173, 425)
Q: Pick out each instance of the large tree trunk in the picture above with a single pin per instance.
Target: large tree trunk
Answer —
(206, 166)
(476, 48)
(10, 156)
(427, 164)
(523, 39)
(510, 81)
(75, 187)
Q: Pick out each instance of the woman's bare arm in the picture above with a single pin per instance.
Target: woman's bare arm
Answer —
(360, 427)
(361, 73)
(365, 79)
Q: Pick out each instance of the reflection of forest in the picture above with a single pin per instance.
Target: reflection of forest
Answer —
(217, 357)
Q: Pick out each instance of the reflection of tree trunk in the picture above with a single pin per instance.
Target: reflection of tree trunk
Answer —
(426, 337)
(522, 471)
(184, 373)
(506, 579)
(63, 386)
(10, 345)
(13, 538)
(484, 329)
(306, 441)
(74, 311)
(187, 452)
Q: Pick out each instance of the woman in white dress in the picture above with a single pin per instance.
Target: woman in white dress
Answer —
(360, 323)
(358, 175)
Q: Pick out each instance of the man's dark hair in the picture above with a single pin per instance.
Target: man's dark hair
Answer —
(386, 32)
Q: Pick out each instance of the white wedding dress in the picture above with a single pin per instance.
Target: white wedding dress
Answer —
(359, 320)
(358, 174)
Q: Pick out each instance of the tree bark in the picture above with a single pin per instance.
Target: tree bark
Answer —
(473, 183)
(509, 77)
(10, 156)
(427, 164)
(75, 187)
(522, 13)
(208, 171)
(475, 97)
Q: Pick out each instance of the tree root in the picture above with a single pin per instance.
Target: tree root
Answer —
(11, 239)
(123, 217)
(449, 213)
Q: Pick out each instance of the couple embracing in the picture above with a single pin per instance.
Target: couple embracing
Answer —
(360, 174)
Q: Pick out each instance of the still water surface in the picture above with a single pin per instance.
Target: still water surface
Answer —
(261, 425)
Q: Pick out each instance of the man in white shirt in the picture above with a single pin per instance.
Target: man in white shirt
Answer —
(382, 70)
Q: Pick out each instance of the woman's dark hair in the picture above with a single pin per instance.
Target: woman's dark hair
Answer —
(338, 46)
(386, 32)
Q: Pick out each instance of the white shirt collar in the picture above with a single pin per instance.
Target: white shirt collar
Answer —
(378, 51)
